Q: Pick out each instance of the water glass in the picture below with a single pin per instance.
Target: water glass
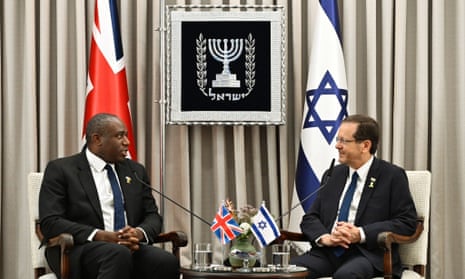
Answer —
(202, 256)
(281, 254)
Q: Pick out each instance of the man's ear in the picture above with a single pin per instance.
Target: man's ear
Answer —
(97, 139)
(367, 145)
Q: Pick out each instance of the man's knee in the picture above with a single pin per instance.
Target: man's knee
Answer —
(106, 260)
(353, 271)
(120, 255)
(151, 261)
(170, 260)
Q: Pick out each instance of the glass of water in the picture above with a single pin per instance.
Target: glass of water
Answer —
(202, 256)
(281, 254)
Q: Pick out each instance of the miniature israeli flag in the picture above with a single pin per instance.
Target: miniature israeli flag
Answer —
(264, 227)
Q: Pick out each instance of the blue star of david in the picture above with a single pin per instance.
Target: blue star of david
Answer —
(328, 127)
(262, 225)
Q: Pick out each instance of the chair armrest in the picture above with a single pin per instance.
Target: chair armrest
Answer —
(291, 236)
(386, 239)
(178, 239)
(65, 241)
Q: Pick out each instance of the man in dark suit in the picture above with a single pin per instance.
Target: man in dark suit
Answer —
(77, 197)
(343, 230)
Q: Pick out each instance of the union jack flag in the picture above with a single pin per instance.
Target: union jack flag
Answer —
(224, 226)
(107, 89)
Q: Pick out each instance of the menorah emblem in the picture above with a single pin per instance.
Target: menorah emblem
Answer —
(225, 55)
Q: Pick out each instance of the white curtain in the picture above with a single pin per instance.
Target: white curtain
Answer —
(405, 66)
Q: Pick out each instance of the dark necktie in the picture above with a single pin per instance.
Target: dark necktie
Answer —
(345, 208)
(118, 222)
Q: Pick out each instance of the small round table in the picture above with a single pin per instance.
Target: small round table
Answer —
(187, 273)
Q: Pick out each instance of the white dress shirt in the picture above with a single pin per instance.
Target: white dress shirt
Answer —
(362, 176)
(104, 191)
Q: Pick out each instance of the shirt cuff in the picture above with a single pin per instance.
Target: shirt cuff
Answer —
(91, 236)
(363, 237)
(145, 240)
(317, 241)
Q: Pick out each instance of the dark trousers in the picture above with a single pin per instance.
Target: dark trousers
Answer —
(102, 260)
(322, 262)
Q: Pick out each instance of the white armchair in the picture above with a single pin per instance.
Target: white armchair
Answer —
(413, 251)
(65, 241)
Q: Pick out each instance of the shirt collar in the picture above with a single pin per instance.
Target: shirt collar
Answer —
(95, 161)
(363, 170)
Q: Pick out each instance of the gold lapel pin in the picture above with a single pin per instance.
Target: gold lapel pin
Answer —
(372, 182)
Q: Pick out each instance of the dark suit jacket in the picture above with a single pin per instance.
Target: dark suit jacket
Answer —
(68, 200)
(387, 206)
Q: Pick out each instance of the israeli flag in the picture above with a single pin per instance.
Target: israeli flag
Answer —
(326, 100)
(264, 227)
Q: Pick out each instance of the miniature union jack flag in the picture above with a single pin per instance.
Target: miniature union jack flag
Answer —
(224, 226)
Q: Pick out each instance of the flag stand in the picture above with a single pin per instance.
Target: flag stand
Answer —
(223, 254)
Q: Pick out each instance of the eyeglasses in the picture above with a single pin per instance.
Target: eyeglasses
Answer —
(344, 141)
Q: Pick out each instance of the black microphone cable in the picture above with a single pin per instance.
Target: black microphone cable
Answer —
(171, 200)
(324, 182)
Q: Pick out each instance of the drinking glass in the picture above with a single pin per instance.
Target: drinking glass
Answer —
(281, 254)
(202, 256)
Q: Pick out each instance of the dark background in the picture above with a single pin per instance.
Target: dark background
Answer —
(192, 99)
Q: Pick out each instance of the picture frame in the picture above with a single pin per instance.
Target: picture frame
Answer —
(225, 66)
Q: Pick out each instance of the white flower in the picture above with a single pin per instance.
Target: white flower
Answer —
(245, 227)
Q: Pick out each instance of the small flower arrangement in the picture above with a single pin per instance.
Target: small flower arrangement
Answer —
(243, 217)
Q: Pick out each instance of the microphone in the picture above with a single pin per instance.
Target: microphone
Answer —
(328, 174)
(170, 199)
(323, 184)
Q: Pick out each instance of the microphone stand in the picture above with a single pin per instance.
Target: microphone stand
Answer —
(323, 184)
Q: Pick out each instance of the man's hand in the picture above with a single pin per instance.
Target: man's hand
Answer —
(128, 236)
(343, 235)
(346, 233)
(329, 240)
(106, 236)
(333, 240)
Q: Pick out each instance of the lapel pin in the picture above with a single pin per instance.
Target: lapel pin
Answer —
(372, 182)
(128, 180)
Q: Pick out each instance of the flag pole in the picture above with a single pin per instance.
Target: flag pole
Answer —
(162, 103)
(262, 249)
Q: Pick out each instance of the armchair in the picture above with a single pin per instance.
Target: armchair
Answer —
(413, 249)
(64, 242)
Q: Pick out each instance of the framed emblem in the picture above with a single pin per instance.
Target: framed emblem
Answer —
(225, 67)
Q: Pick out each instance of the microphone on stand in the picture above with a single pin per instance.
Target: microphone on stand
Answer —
(323, 184)
(170, 199)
